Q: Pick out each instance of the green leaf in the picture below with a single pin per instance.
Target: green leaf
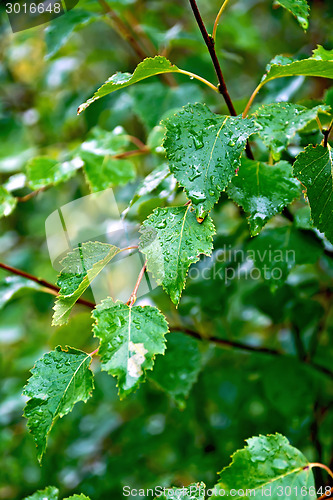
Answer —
(147, 68)
(104, 142)
(104, 172)
(177, 372)
(319, 64)
(77, 497)
(204, 151)
(43, 171)
(280, 121)
(263, 190)
(266, 466)
(58, 32)
(172, 240)
(59, 379)
(7, 202)
(49, 493)
(194, 491)
(314, 168)
(299, 9)
(101, 168)
(13, 286)
(151, 182)
(275, 252)
(130, 338)
(80, 267)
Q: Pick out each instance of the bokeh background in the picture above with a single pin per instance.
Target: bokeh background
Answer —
(148, 440)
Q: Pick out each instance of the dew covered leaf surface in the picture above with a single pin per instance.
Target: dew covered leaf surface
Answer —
(314, 168)
(150, 66)
(204, 151)
(7, 202)
(172, 240)
(263, 190)
(268, 462)
(299, 9)
(59, 379)
(80, 267)
(130, 338)
(280, 121)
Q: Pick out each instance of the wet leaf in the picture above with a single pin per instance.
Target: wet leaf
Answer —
(49, 493)
(43, 171)
(58, 32)
(267, 465)
(263, 190)
(80, 267)
(151, 182)
(12, 286)
(172, 240)
(130, 339)
(204, 151)
(299, 9)
(7, 202)
(314, 168)
(150, 66)
(319, 64)
(59, 379)
(104, 172)
(280, 121)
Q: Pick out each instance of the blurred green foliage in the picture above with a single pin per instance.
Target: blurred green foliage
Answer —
(146, 440)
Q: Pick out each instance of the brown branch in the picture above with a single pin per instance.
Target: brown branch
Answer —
(327, 495)
(43, 283)
(133, 152)
(133, 297)
(222, 87)
(27, 197)
(248, 348)
(216, 340)
(326, 134)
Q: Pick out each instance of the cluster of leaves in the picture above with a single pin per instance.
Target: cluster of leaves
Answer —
(204, 151)
(191, 194)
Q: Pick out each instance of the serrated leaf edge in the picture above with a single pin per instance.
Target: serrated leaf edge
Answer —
(208, 254)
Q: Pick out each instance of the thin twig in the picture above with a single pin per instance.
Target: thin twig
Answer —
(222, 87)
(133, 152)
(43, 283)
(138, 143)
(197, 77)
(27, 197)
(94, 352)
(54, 289)
(326, 495)
(246, 347)
(209, 41)
(133, 296)
(326, 134)
(187, 331)
(322, 466)
(218, 18)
